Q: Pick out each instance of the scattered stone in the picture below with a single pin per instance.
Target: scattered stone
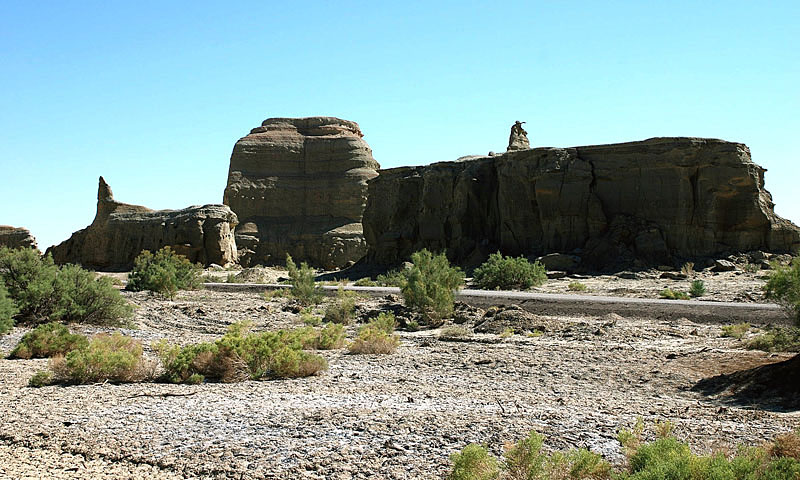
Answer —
(502, 318)
(559, 261)
(723, 266)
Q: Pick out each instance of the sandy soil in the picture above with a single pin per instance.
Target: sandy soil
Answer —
(389, 416)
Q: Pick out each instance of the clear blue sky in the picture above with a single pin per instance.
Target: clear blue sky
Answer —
(153, 95)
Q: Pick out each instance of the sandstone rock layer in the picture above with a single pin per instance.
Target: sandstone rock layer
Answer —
(121, 231)
(650, 202)
(298, 186)
(16, 237)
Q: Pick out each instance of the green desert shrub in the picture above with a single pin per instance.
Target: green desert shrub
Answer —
(84, 298)
(377, 337)
(392, 278)
(241, 355)
(304, 288)
(474, 462)
(664, 458)
(505, 273)
(736, 331)
(342, 309)
(670, 294)
(577, 287)
(107, 358)
(777, 339)
(41, 378)
(7, 310)
(698, 288)
(30, 280)
(308, 318)
(164, 272)
(783, 286)
(365, 282)
(429, 286)
(330, 337)
(44, 292)
(48, 340)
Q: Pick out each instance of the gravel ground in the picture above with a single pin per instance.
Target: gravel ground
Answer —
(379, 416)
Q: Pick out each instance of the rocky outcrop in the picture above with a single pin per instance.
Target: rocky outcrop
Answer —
(656, 201)
(298, 186)
(15, 237)
(120, 232)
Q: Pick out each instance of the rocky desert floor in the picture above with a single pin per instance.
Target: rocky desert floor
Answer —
(394, 416)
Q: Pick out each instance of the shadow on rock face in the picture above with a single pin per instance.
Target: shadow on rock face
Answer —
(774, 386)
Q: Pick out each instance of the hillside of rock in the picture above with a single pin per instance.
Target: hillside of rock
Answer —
(121, 231)
(298, 186)
(16, 237)
(657, 201)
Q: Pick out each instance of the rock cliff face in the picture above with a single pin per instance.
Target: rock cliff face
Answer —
(298, 186)
(120, 232)
(656, 201)
(15, 237)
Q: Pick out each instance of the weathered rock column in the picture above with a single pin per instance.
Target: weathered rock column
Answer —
(299, 186)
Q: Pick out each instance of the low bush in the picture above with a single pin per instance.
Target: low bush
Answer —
(304, 288)
(505, 273)
(474, 462)
(365, 282)
(688, 269)
(7, 310)
(392, 278)
(455, 331)
(783, 286)
(308, 318)
(664, 458)
(342, 309)
(43, 292)
(670, 294)
(241, 355)
(330, 337)
(777, 339)
(377, 337)
(48, 340)
(429, 286)
(577, 287)
(107, 358)
(84, 298)
(164, 272)
(736, 331)
(698, 288)
(30, 280)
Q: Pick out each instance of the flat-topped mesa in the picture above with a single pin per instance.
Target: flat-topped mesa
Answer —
(299, 186)
(121, 231)
(16, 237)
(657, 201)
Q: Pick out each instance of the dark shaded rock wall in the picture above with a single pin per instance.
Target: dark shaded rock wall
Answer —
(298, 186)
(121, 231)
(660, 200)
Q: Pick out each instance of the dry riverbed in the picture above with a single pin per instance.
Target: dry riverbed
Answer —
(384, 416)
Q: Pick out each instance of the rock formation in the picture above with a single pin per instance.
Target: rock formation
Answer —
(15, 237)
(518, 139)
(120, 232)
(298, 186)
(657, 201)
